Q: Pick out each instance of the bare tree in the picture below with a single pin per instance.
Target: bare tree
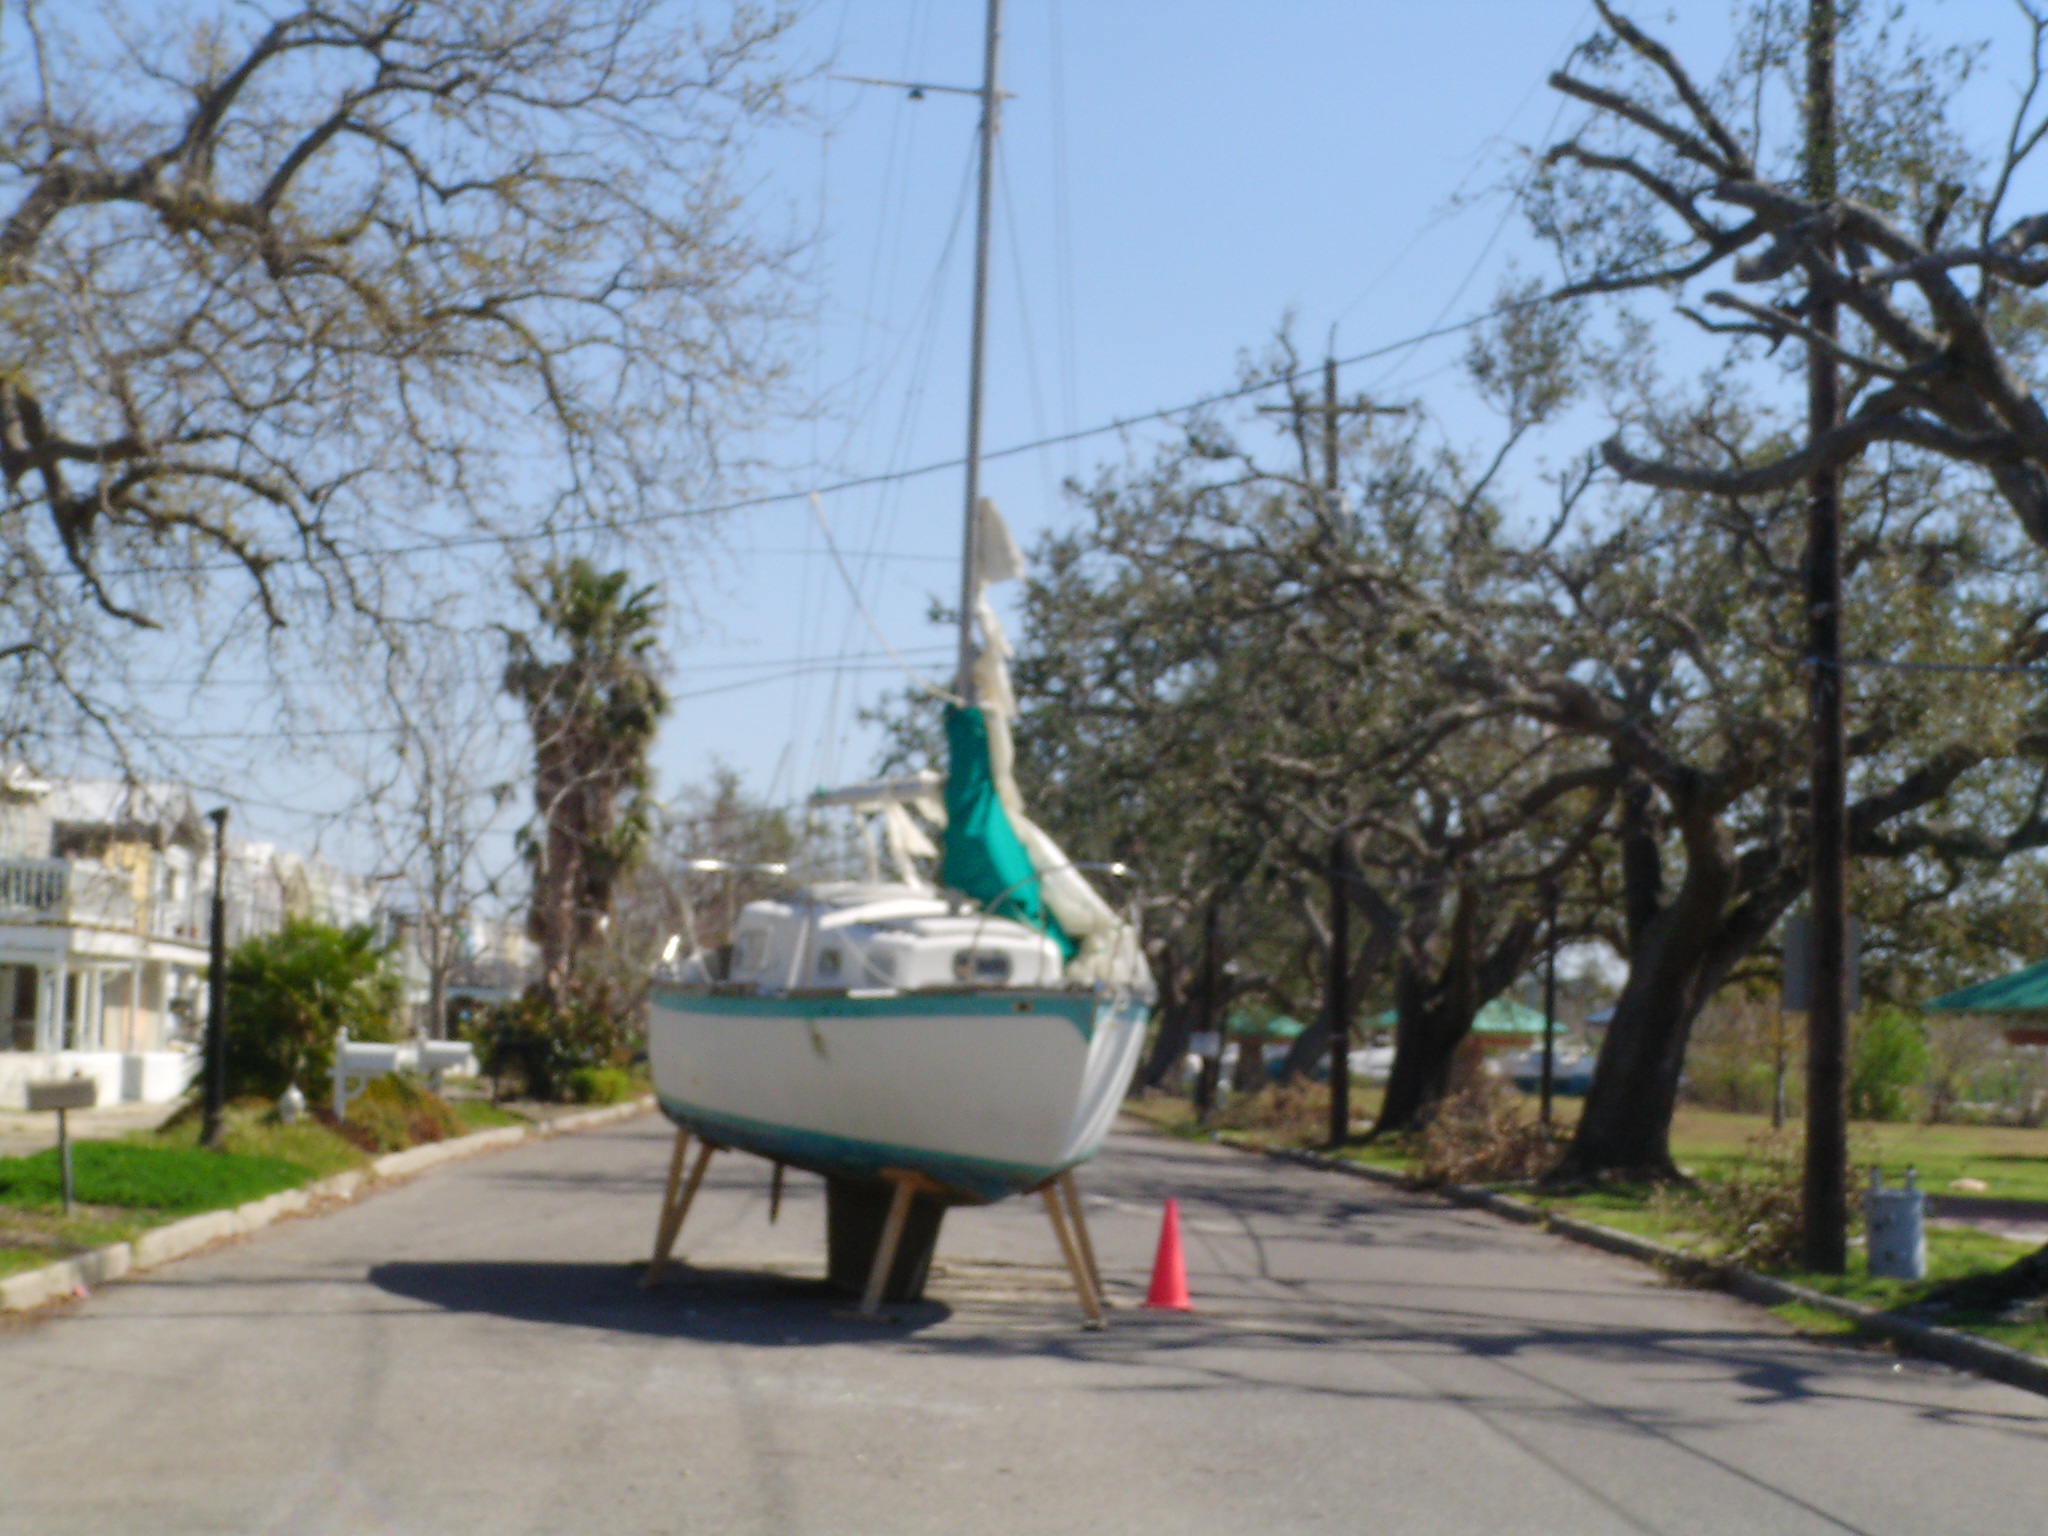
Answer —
(292, 291)
(437, 771)
(1671, 180)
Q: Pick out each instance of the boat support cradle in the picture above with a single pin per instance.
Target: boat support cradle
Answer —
(1061, 1195)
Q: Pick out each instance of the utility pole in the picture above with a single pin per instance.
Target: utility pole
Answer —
(1332, 411)
(217, 986)
(1211, 1018)
(1825, 1208)
(1337, 993)
(1550, 894)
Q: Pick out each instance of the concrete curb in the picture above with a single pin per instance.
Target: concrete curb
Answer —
(1949, 1346)
(177, 1239)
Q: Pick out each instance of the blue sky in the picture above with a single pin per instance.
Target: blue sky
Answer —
(1177, 179)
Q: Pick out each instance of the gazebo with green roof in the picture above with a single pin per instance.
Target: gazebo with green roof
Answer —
(2021, 995)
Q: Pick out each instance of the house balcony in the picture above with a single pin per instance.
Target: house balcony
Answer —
(77, 893)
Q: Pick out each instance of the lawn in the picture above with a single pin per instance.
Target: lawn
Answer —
(122, 1189)
(176, 1181)
(2011, 1162)
(125, 1187)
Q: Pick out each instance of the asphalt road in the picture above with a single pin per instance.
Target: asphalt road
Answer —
(470, 1353)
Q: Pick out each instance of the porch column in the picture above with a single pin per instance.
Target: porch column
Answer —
(49, 1025)
(93, 1024)
(135, 1042)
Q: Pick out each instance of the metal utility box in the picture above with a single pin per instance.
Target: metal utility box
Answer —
(66, 1093)
(1896, 1223)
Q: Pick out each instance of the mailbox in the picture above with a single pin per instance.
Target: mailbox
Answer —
(366, 1059)
(357, 1061)
(65, 1093)
(456, 1056)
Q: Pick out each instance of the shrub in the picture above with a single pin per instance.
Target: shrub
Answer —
(290, 992)
(1483, 1133)
(1752, 1211)
(1887, 1058)
(394, 1112)
(1297, 1111)
(602, 1085)
(1731, 1054)
(540, 1045)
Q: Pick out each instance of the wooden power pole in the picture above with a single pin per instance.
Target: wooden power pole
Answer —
(1825, 1210)
(1337, 993)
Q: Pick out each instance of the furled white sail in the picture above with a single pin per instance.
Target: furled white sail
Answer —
(1110, 951)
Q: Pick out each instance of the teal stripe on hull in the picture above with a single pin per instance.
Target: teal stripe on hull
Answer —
(1077, 1008)
(827, 1154)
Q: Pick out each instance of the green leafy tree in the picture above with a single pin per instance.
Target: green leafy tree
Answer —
(290, 992)
(587, 678)
(538, 1047)
(1887, 1059)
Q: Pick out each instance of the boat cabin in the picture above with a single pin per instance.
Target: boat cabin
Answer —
(853, 936)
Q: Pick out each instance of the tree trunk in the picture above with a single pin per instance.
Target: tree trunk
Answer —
(1170, 1045)
(1433, 1017)
(1626, 1124)
(1311, 1049)
(1429, 1027)
(1679, 958)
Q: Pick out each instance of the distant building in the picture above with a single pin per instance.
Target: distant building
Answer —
(106, 891)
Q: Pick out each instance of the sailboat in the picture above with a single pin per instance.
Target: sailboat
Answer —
(921, 1043)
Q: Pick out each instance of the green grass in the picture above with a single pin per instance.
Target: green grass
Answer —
(482, 1114)
(125, 1187)
(248, 1131)
(1815, 1323)
(2012, 1163)
(31, 1239)
(174, 1181)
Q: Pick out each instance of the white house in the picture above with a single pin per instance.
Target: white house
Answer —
(106, 893)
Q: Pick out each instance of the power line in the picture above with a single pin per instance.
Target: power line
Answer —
(937, 466)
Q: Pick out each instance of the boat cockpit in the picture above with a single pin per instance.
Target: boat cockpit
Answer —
(861, 936)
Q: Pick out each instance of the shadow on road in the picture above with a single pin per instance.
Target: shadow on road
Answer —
(727, 1306)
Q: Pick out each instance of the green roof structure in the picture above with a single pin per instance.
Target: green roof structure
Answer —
(1280, 1027)
(2022, 992)
(1502, 1016)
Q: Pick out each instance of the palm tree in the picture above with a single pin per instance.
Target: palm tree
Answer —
(587, 679)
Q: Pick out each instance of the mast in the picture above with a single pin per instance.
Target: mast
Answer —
(991, 103)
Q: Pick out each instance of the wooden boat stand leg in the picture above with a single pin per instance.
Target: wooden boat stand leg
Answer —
(674, 1212)
(668, 1190)
(1084, 1285)
(775, 1195)
(892, 1239)
(1074, 1214)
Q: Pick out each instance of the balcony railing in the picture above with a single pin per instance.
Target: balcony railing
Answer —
(66, 892)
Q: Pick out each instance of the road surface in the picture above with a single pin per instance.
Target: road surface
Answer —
(470, 1353)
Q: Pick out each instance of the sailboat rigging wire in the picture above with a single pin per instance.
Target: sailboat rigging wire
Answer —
(1063, 237)
(1455, 204)
(920, 343)
(1024, 328)
(853, 591)
(937, 466)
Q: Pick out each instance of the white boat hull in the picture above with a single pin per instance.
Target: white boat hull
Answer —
(989, 1092)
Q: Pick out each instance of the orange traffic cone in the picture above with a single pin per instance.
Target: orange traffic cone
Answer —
(1169, 1271)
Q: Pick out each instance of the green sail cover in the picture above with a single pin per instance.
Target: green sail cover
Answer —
(984, 857)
